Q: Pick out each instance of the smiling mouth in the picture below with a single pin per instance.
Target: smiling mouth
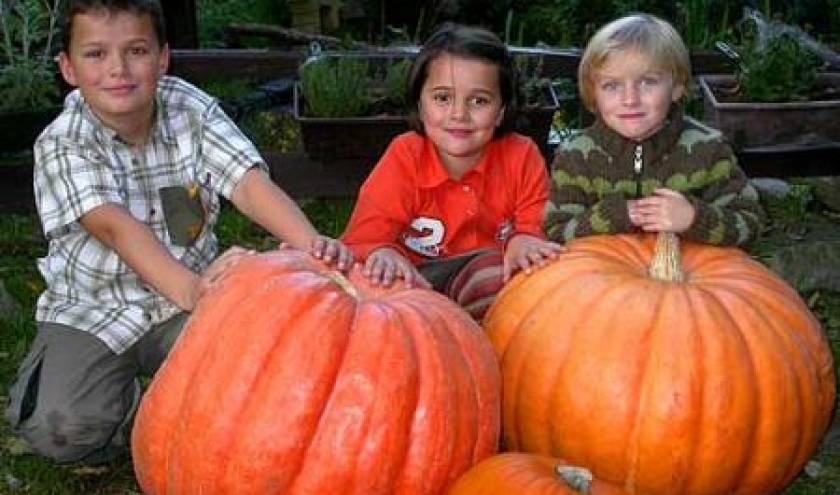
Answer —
(459, 132)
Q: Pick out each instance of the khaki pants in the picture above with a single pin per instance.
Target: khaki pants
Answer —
(74, 399)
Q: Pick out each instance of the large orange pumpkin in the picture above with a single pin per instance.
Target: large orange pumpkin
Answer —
(517, 473)
(292, 379)
(709, 376)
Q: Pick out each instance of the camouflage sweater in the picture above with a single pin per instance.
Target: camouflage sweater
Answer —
(596, 171)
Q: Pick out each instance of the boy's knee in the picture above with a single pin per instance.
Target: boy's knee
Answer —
(64, 437)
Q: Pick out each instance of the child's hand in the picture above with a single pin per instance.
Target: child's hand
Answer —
(332, 250)
(216, 270)
(385, 265)
(664, 211)
(525, 251)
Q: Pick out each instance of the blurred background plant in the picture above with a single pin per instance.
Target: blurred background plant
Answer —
(775, 61)
(335, 86)
(28, 72)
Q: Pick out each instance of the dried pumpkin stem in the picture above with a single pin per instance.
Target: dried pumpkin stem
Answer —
(667, 262)
(342, 282)
(577, 478)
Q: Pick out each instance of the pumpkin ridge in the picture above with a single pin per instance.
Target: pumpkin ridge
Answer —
(356, 379)
(516, 363)
(647, 375)
(257, 309)
(720, 394)
(479, 359)
(436, 388)
(181, 382)
(788, 379)
(274, 382)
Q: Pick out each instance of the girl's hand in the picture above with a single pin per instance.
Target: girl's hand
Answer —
(332, 250)
(385, 265)
(665, 210)
(525, 252)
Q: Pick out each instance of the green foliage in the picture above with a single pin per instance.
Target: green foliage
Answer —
(776, 62)
(703, 22)
(214, 17)
(28, 71)
(396, 81)
(335, 86)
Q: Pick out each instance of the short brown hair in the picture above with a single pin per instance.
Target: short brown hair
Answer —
(151, 8)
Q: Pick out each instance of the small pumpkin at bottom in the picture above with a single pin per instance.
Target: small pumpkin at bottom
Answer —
(518, 473)
(291, 378)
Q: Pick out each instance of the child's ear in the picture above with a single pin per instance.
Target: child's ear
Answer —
(163, 62)
(500, 117)
(66, 68)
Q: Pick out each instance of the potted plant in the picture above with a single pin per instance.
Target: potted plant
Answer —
(350, 105)
(779, 93)
(29, 85)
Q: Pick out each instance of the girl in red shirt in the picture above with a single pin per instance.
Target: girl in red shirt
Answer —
(458, 203)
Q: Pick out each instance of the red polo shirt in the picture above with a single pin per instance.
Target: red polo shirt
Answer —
(409, 201)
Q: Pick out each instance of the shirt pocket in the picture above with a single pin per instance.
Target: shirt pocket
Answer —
(184, 213)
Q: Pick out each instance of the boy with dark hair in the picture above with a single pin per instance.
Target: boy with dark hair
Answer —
(127, 184)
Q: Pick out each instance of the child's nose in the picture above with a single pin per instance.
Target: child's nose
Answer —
(117, 64)
(630, 96)
(459, 109)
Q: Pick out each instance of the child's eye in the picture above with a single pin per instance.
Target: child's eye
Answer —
(441, 98)
(93, 54)
(650, 81)
(480, 101)
(610, 86)
(138, 50)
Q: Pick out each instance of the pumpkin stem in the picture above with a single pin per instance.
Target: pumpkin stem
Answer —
(342, 282)
(579, 479)
(667, 262)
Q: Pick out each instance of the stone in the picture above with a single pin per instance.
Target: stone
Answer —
(827, 191)
(769, 186)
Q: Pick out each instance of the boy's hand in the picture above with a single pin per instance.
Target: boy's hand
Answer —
(332, 250)
(665, 210)
(385, 265)
(525, 251)
(216, 270)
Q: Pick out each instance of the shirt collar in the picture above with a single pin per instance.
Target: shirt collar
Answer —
(161, 123)
(432, 171)
(660, 142)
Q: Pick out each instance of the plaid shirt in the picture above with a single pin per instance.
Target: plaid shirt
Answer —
(81, 164)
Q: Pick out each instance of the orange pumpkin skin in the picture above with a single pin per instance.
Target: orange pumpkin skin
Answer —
(289, 380)
(517, 473)
(719, 384)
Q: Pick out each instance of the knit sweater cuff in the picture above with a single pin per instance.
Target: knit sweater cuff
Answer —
(705, 219)
(614, 207)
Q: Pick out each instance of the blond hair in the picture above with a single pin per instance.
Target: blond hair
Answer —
(646, 33)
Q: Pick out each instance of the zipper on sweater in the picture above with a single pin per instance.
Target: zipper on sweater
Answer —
(638, 166)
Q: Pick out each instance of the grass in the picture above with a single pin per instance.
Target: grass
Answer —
(20, 245)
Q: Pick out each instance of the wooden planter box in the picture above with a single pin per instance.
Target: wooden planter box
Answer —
(755, 125)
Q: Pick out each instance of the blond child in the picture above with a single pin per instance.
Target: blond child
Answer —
(643, 165)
